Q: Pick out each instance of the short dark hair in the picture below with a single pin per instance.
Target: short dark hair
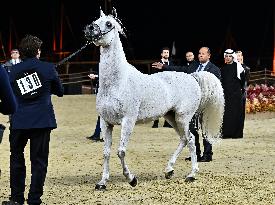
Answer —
(14, 50)
(29, 46)
(165, 48)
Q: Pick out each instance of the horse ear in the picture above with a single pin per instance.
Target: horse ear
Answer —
(114, 14)
(101, 13)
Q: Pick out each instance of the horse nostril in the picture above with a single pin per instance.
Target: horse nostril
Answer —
(95, 33)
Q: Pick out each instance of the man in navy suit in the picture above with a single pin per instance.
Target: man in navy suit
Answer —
(33, 82)
(8, 103)
(204, 64)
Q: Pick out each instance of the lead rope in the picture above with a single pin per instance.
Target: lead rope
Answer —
(73, 54)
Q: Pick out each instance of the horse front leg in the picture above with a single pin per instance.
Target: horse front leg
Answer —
(106, 130)
(127, 126)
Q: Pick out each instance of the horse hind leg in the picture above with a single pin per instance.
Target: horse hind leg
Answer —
(126, 131)
(186, 137)
(192, 149)
(169, 170)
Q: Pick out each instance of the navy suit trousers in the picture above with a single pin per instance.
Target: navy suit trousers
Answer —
(39, 152)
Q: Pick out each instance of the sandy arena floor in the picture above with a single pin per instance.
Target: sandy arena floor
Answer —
(242, 170)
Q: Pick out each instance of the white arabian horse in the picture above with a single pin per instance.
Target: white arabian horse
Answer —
(126, 96)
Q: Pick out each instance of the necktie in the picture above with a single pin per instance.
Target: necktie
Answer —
(200, 68)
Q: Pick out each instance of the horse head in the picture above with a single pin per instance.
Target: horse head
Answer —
(103, 30)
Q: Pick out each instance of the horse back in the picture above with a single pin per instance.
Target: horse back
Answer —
(167, 91)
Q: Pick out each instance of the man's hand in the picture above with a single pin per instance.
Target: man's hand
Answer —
(157, 65)
(93, 76)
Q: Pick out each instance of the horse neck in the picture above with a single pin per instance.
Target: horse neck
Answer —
(113, 63)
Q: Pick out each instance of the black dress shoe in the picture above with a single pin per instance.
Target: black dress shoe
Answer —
(206, 159)
(189, 159)
(98, 140)
(95, 138)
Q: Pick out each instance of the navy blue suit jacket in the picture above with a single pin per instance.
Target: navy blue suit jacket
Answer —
(210, 67)
(36, 112)
(8, 103)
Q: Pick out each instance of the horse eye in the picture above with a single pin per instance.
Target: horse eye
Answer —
(108, 24)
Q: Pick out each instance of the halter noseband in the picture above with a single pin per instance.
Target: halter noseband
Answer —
(95, 34)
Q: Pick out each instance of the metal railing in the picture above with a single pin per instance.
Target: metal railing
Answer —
(76, 73)
(262, 77)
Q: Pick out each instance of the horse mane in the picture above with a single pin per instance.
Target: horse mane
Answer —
(123, 30)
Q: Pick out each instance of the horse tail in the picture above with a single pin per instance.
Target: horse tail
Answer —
(211, 106)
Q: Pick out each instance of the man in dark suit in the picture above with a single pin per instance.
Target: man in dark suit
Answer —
(190, 58)
(204, 64)
(165, 60)
(95, 137)
(33, 82)
(15, 58)
(8, 103)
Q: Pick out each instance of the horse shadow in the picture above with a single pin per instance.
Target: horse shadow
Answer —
(75, 180)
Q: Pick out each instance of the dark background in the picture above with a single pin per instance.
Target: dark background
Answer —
(151, 25)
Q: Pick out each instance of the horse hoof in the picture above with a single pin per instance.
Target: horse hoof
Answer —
(100, 187)
(169, 175)
(133, 183)
(189, 179)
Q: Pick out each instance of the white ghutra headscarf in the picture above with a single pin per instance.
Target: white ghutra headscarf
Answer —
(240, 68)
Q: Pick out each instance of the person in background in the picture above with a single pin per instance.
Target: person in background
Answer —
(165, 55)
(233, 77)
(204, 64)
(8, 104)
(15, 58)
(96, 135)
(246, 80)
(190, 58)
(33, 83)
(246, 71)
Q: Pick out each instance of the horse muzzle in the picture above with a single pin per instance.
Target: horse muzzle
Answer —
(92, 32)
